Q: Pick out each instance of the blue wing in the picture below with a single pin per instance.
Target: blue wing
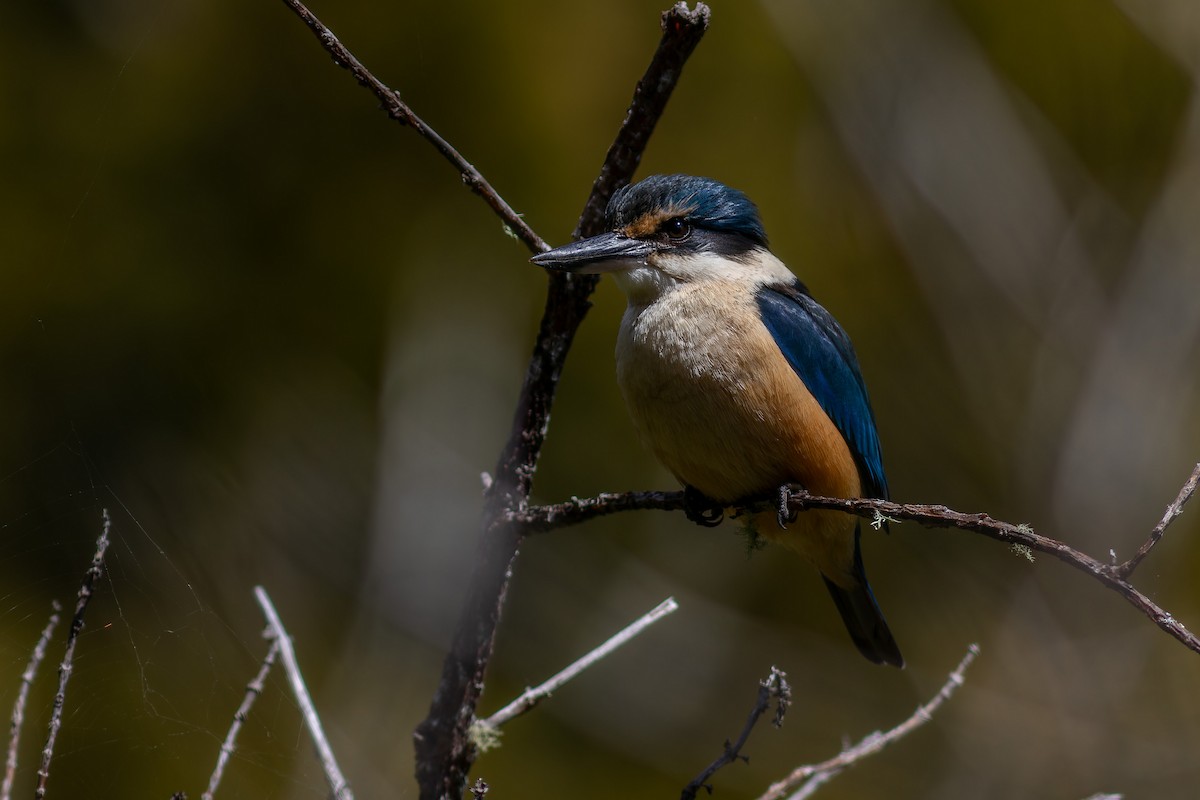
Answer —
(821, 354)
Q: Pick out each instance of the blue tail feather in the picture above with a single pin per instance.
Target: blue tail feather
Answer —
(862, 617)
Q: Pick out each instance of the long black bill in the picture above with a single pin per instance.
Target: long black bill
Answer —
(602, 253)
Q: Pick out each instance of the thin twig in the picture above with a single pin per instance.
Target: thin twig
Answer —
(531, 697)
(333, 774)
(541, 519)
(64, 669)
(398, 110)
(576, 510)
(775, 685)
(1173, 511)
(796, 785)
(253, 689)
(682, 30)
(940, 516)
(18, 712)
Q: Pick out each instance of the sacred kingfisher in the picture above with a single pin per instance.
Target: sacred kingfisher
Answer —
(736, 378)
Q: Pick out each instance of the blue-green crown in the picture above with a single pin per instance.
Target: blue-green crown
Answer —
(704, 202)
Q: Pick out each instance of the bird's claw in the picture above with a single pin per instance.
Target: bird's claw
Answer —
(784, 515)
(701, 509)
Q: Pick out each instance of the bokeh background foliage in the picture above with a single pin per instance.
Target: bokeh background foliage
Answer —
(273, 333)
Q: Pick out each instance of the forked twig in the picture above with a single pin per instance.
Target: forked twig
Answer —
(1174, 510)
(531, 697)
(803, 781)
(93, 574)
(775, 686)
(287, 654)
(18, 712)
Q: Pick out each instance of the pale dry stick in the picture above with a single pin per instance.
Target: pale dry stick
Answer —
(18, 713)
(253, 690)
(803, 781)
(333, 774)
(64, 669)
(531, 697)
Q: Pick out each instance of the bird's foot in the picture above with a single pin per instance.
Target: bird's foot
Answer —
(784, 515)
(701, 509)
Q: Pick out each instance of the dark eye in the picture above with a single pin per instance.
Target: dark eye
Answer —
(677, 228)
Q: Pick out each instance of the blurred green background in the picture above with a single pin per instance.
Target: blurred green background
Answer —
(272, 333)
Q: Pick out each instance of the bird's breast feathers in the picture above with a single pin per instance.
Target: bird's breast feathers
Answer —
(713, 396)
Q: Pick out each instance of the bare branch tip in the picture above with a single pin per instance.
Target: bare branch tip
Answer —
(781, 690)
(481, 729)
(1122, 571)
(774, 686)
(680, 13)
(253, 689)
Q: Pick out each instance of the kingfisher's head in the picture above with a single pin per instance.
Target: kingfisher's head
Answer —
(670, 229)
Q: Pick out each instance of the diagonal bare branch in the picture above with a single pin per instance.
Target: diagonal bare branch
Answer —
(774, 686)
(86, 589)
(253, 689)
(398, 110)
(531, 697)
(1173, 511)
(338, 786)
